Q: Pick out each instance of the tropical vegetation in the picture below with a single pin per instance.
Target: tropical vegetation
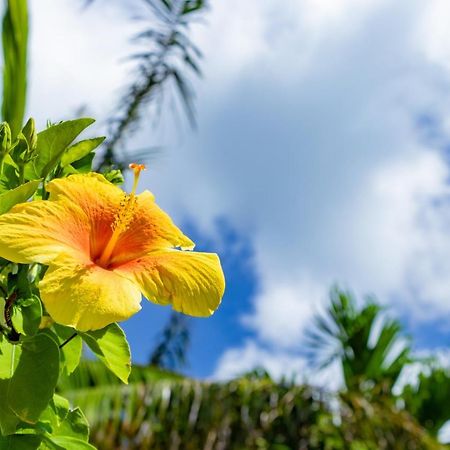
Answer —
(41, 403)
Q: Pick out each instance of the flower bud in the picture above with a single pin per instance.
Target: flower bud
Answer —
(5, 138)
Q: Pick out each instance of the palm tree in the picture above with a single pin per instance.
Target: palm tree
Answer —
(162, 410)
(370, 348)
(171, 349)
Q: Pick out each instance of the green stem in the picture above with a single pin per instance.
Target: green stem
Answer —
(13, 335)
(68, 340)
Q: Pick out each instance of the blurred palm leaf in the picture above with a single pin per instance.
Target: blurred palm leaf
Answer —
(162, 410)
(15, 43)
(429, 402)
(348, 334)
(378, 425)
(170, 352)
(169, 60)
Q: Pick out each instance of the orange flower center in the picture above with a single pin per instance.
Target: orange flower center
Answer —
(123, 217)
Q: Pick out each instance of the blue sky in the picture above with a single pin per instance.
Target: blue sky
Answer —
(321, 156)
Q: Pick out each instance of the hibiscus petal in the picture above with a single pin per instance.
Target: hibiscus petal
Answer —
(40, 231)
(97, 197)
(192, 282)
(150, 229)
(87, 297)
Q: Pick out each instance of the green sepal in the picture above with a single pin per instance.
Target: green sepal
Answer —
(30, 135)
(114, 176)
(5, 138)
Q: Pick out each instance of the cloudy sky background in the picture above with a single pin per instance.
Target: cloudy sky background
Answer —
(322, 156)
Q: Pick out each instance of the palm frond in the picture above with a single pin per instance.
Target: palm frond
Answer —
(346, 333)
(168, 63)
(175, 412)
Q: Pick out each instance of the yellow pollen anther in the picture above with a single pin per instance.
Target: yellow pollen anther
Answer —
(125, 214)
(123, 217)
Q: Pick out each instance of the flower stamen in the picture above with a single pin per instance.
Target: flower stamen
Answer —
(123, 217)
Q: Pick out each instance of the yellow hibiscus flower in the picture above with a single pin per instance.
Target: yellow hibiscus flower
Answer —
(103, 249)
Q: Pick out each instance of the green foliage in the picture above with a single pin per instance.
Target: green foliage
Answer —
(15, 43)
(347, 334)
(111, 347)
(28, 379)
(34, 377)
(26, 315)
(162, 410)
(71, 346)
(34, 351)
(80, 150)
(52, 144)
(188, 412)
(59, 427)
(20, 442)
(19, 194)
(429, 402)
(374, 424)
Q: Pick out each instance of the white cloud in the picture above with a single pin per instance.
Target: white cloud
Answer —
(320, 161)
(237, 361)
(300, 300)
(434, 35)
(76, 58)
(279, 364)
(308, 145)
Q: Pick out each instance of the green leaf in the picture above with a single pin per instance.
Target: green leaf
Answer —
(61, 406)
(84, 165)
(167, 4)
(34, 380)
(186, 95)
(63, 421)
(69, 443)
(15, 39)
(56, 412)
(9, 357)
(51, 145)
(26, 316)
(71, 351)
(111, 347)
(20, 442)
(191, 6)
(80, 150)
(8, 160)
(18, 195)
(74, 425)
